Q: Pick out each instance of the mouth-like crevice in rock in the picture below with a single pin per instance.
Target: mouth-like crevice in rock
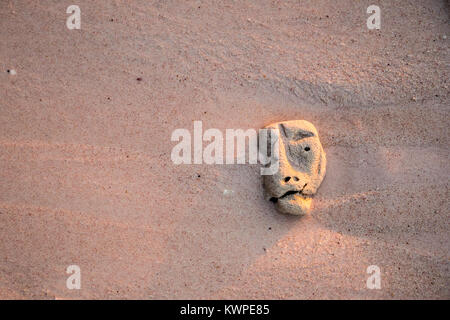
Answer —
(288, 193)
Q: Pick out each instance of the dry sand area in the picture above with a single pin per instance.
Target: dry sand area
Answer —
(86, 176)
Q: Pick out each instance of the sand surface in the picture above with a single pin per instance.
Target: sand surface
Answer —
(86, 176)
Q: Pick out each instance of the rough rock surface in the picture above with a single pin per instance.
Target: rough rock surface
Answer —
(302, 167)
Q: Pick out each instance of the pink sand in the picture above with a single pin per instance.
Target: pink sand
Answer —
(86, 176)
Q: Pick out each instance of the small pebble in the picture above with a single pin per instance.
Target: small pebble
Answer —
(227, 192)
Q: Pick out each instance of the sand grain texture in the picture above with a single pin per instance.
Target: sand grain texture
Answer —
(86, 176)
